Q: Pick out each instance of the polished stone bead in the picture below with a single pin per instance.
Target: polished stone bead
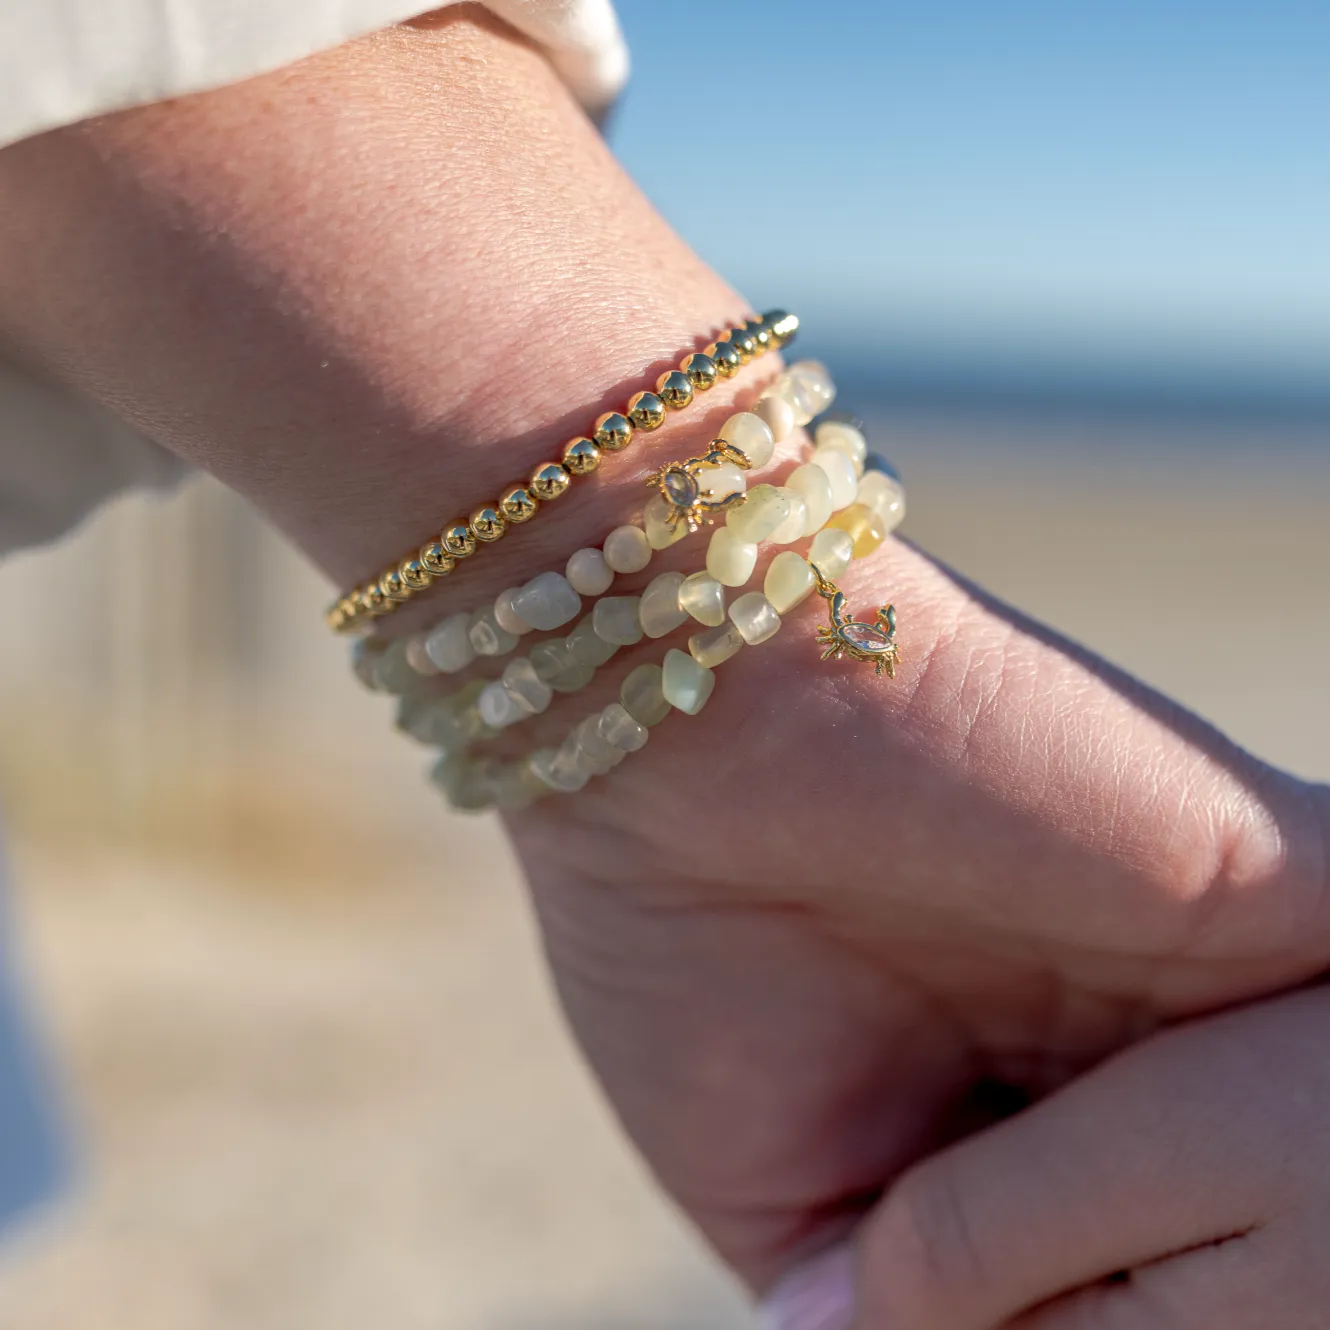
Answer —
(506, 615)
(617, 620)
(802, 400)
(418, 658)
(588, 574)
(761, 513)
(686, 684)
(500, 708)
(660, 611)
(777, 413)
(627, 549)
(885, 496)
(555, 664)
(642, 695)
(831, 551)
(813, 485)
(863, 525)
(587, 646)
(449, 645)
(661, 532)
(547, 602)
(393, 671)
(511, 786)
(755, 617)
(751, 435)
(841, 473)
(730, 560)
(566, 778)
(521, 680)
(714, 646)
(701, 596)
(789, 580)
(487, 638)
(814, 379)
(617, 727)
(365, 652)
(845, 438)
(792, 528)
(594, 751)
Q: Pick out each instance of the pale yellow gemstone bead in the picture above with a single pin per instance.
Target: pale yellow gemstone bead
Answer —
(703, 597)
(721, 482)
(885, 496)
(813, 485)
(792, 528)
(831, 551)
(863, 526)
(777, 413)
(840, 471)
(627, 549)
(507, 616)
(660, 608)
(755, 617)
(418, 658)
(813, 377)
(617, 727)
(714, 646)
(730, 560)
(686, 684)
(844, 438)
(588, 573)
(616, 620)
(751, 435)
(789, 580)
(642, 696)
(655, 519)
(761, 513)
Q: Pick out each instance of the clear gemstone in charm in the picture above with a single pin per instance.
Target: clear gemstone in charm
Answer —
(866, 636)
(679, 487)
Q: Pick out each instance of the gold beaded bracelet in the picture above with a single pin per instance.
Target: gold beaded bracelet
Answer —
(612, 433)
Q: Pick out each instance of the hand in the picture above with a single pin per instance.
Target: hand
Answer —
(1184, 1185)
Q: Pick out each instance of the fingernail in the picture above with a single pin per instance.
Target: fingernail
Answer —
(817, 1296)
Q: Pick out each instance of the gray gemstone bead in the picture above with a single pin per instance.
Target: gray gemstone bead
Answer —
(548, 602)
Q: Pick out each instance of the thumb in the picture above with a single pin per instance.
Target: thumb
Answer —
(818, 1295)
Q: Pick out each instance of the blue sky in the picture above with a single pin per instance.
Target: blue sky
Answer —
(1145, 178)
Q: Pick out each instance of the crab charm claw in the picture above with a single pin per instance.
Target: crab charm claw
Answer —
(842, 635)
(683, 486)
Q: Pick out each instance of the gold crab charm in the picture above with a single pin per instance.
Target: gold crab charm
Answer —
(843, 636)
(681, 485)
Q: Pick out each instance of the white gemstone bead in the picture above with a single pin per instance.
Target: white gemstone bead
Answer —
(730, 560)
(659, 611)
(547, 769)
(512, 787)
(813, 485)
(642, 695)
(845, 438)
(755, 617)
(547, 602)
(587, 647)
(655, 518)
(521, 680)
(616, 619)
(686, 684)
(789, 580)
(449, 645)
(885, 496)
(506, 615)
(813, 376)
(792, 528)
(831, 551)
(751, 435)
(487, 638)
(499, 708)
(715, 646)
(840, 471)
(704, 598)
(802, 400)
(617, 727)
(418, 658)
(761, 513)
(588, 574)
(556, 665)
(721, 482)
(777, 413)
(594, 749)
(393, 671)
(627, 549)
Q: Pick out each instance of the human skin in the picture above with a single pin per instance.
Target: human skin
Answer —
(799, 935)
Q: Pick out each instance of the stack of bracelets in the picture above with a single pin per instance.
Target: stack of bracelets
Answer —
(842, 499)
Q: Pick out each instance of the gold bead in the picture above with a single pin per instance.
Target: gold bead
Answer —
(727, 359)
(646, 411)
(702, 371)
(373, 599)
(458, 540)
(415, 574)
(864, 527)
(488, 523)
(336, 618)
(613, 432)
(783, 326)
(549, 481)
(675, 389)
(761, 330)
(581, 457)
(393, 587)
(518, 504)
(743, 342)
(436, 559)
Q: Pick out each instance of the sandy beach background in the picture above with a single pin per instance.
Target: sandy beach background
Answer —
(318, 1077)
